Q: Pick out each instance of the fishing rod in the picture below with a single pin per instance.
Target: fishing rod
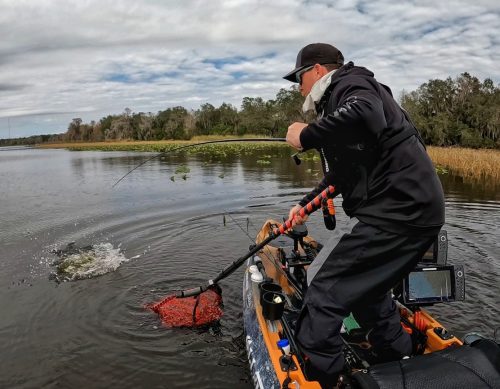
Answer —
(309, 208)
(294, 156)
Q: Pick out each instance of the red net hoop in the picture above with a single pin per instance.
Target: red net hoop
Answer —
(195, 311)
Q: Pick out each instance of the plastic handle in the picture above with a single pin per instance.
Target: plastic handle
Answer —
(329, 214)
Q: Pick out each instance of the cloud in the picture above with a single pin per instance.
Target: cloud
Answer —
(62, 59)
(11, 87)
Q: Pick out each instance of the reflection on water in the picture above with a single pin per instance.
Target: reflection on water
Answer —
(95, 332)
(471, 190)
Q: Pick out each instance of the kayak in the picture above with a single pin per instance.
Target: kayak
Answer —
(274, 286)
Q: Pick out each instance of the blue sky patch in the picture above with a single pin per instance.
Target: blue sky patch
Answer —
(238, 75)
(118, 77)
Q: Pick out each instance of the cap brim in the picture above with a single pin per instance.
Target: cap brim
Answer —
(292, 76)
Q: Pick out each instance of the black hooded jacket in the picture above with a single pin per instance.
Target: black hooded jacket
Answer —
(374, 156)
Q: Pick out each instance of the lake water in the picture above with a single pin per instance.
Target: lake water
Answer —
(162, 234)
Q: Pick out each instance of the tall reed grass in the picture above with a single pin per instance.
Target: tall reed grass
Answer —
(480, 164)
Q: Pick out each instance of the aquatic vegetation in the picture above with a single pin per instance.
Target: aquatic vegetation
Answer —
(472, 164)
(182, 169)
(310, 155)
(218, 149)
(441, 170)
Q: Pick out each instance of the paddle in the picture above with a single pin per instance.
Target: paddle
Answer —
(202, 305)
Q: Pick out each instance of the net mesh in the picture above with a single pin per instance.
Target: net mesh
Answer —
(196, 311)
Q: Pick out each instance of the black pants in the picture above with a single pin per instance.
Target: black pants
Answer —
(356, 276)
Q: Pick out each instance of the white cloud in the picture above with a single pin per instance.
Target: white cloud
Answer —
(58, 59)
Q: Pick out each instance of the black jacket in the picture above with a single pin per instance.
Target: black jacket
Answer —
(373, 155)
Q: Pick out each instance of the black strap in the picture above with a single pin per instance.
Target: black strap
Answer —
(286, 382)
(408, 119)
(194, 309)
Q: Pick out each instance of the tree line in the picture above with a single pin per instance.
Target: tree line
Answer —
(463, 111)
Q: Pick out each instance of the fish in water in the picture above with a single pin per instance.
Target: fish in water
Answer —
(76, 263)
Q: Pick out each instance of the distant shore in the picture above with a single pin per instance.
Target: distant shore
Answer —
(134, 145)
(469, 163)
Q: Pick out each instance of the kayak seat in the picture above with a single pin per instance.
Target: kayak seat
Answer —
(476, 366)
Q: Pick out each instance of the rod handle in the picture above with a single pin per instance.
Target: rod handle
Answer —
(307, 209)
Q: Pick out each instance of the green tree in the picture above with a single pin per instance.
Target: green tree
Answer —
(463, 111)
(169, 124)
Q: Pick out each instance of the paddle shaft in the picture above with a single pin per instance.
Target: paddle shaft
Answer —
(306, 210)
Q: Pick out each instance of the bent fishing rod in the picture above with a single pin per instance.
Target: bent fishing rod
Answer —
(294, 156)
(306, 210)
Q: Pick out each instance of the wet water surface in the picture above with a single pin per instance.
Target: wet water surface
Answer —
(159, 230)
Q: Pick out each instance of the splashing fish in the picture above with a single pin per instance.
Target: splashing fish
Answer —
(77, 263)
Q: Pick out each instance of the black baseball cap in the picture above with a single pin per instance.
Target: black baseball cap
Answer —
(321, 53)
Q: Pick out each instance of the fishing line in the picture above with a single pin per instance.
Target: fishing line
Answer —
(247, 234)
(295, 157)
(268, 255)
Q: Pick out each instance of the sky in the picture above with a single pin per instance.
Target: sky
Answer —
(61, 60)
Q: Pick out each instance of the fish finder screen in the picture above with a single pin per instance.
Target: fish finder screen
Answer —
(430, 285)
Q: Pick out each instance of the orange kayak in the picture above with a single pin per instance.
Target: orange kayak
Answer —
(272, 298)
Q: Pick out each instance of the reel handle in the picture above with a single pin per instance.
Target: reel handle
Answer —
(329, 214)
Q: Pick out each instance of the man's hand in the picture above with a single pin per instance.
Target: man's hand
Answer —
(293, 134)
(298, 219)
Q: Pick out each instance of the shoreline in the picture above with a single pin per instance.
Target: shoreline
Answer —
(475, 164)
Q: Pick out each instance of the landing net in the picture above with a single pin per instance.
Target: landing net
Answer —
(195, 311)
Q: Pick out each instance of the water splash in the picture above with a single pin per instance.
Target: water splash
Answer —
(77, 263)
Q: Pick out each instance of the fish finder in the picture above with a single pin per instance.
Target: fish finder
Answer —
(438, 252)
(430, 284)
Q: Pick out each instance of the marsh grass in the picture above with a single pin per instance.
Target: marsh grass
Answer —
(471, 164)
(154, 146)
(213, 151)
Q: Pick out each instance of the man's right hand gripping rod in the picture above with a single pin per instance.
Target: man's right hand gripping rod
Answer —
(307, 209)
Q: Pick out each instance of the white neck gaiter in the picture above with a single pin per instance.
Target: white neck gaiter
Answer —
(317, 92)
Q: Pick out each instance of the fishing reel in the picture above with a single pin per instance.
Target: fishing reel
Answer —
(296, 158)
(294, 258)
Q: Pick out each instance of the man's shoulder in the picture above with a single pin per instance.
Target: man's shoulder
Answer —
(350, 70)
(353, 80)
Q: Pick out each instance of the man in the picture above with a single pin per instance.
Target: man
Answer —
(374, 156)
